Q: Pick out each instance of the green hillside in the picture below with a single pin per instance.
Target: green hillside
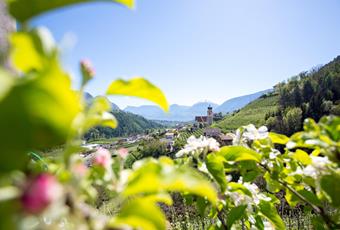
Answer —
(253, 113)
(128, 124)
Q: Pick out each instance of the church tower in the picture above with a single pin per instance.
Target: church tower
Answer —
(210, 115)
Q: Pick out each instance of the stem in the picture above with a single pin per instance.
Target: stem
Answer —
(319, 210)
(220, 217)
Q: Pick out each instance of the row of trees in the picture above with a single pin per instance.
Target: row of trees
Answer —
(310, 94)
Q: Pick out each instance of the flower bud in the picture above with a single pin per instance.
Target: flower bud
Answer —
(87, 71)
(40, 192)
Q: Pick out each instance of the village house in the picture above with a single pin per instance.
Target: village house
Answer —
(223, 139)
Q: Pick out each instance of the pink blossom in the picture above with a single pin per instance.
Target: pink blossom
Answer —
(123, 152)
(40, 192)
(87, 67)
(102, 158)
(79, 169)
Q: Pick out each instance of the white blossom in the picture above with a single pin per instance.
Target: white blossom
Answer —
(250, 133)
(203, 168)
(273, 154)
(268, 225)
(243, 199)
(317, 167)
(198, 145)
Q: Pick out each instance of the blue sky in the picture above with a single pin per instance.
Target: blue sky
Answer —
(197, 50)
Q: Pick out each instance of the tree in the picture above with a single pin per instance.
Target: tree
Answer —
(307, 90)
(294, 120)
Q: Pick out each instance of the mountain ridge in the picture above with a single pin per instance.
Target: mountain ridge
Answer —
(187, 113)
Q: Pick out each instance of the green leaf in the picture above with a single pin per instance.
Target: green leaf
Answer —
(259, 223)
(33, 51)
(278, 138)
(291, 198)
(318, 223)
(216, 168)
(235, 214)
(98, 115)
(233, 186)
(239, 153)
(140, 213)
(163, 176)
(302, 157)
(328, 184)
(201, 205)
(310, 196)
(139, 87)
(24, 54)
(271, 185)
(37, 111)
(270, 212)
(24, 10)
(6, 82)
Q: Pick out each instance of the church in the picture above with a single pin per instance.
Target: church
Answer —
(206, 120)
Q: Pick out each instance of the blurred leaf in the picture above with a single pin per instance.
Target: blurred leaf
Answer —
(98, 114)
(216, 168)
(139, 87)
(6, 82)
(8, 193)
(318, 223)
(23, 46)
(32, 50)
(24, 10)
(162, 176)
(278, 138)
(140, 213)
(239, 153)
(302, 157)
(160, 198)
(37, 112)
(328, 184)
(270, 212)
(235, 214)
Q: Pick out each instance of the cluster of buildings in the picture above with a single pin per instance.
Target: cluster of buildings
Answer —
(201, 122)
(207, 121)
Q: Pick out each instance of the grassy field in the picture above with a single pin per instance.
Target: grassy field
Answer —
(105, 140)
(253, 113)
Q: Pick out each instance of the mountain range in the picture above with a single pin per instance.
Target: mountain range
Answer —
(188, 113)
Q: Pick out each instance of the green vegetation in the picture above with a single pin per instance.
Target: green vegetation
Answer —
(184, 135)
(39, 109)
(128, 124)
(253, 113)
(310, 94)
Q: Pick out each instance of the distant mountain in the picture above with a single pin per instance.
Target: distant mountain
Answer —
(188, 113)
(176, 112)
(239, 102)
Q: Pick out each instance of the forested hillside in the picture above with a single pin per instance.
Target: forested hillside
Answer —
(128, 124)
(310, 94)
